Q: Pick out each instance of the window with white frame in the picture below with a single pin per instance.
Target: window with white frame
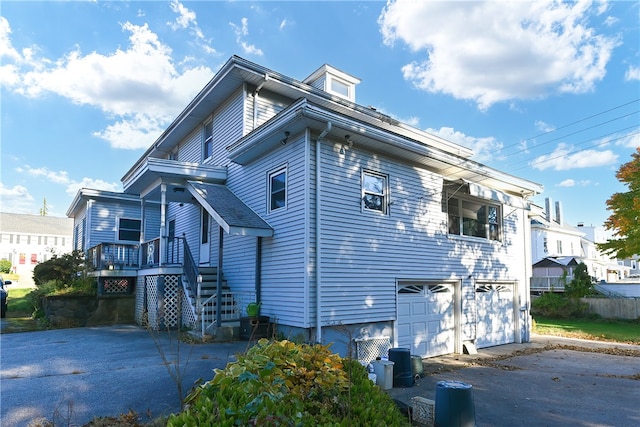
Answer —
(129, 229)
(208, 140)
(277, 185)
(339, 87)
(374, 191)
(470, 216)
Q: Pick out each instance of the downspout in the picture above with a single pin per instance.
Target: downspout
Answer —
(255, 100)
(258, 269)
(318, 238)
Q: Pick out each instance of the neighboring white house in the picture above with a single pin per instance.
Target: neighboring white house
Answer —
(27, 240)
(332, 215)
(555, 244)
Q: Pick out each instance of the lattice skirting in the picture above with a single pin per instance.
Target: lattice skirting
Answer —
(163, 299)
(368, 349)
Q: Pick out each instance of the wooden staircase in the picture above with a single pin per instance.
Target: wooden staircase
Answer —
(208, 292)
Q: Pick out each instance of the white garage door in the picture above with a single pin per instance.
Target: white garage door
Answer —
(425, 318)
(495, 324)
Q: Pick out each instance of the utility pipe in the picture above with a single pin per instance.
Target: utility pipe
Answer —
(318, 238)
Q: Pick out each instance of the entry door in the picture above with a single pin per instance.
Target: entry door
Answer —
(205, 246)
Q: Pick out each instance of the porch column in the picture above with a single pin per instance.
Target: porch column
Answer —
(142, 230)
(163, 213)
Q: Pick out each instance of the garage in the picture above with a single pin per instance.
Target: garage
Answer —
(425, 322)
(495, 314)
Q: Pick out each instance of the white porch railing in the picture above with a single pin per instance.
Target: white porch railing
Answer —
(547, 283)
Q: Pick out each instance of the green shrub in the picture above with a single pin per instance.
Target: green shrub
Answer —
(580, 285)
(64, 268)
(281, 383)
(5, 266)
(558, 305)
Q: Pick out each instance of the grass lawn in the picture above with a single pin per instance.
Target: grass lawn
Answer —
(19, 312)
(593, 329)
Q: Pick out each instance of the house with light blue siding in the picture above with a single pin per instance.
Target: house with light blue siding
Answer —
(345, 224)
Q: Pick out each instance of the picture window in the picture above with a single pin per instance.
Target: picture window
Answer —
(473, 217)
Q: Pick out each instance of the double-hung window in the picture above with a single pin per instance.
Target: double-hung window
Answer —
(208, 140)
(129, 229)
(469, 216)
(277, 184)
(374, 191)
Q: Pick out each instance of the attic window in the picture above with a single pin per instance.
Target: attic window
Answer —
(339, 87)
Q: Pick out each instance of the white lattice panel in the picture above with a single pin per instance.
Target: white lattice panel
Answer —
(116, 285)
(368, 349)
(140, 308)
(151, 285)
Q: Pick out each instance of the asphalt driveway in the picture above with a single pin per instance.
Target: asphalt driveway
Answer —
(76, 374)
(547, 382)
(72, 375)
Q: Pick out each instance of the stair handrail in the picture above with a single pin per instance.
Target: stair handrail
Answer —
(202, 316)
(190, 269)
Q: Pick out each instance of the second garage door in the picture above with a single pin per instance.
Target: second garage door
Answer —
(425, 322)
(495, 318)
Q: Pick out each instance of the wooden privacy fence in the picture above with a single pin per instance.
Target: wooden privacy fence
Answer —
(614, 308)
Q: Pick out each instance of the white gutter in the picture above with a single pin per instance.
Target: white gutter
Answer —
(318, 238)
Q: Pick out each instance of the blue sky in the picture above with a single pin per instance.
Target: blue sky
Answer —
(548, 91)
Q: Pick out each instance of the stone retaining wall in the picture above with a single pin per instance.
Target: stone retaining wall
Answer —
(78, 311)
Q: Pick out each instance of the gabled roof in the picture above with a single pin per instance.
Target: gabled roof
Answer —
(35, 224)
(229, 211)
(306, 114)
(565, 261)
(85, 194)
(238, 71)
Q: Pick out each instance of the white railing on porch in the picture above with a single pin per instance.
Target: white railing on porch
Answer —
(233, 306)
(547, 283)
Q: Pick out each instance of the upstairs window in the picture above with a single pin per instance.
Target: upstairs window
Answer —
(339, 87)
(277, 189)
(208, 140)
(374, 192)
(129, 229)
(473, 217)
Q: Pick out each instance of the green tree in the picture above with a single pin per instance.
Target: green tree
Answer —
(44, 210)
(580, 285)
(63, 269)
(624, 220)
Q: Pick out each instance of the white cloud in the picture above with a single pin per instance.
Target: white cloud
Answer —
(633, 73)
(484, 149)
(573, 183)
(283, 24)
(140, 81)
(566, 157)
(544, 127)
(242, 31)
(62, 178)
(187, 19)
(96, 184)
(631, 140)
(185, 16)
(16, 199)
(499, 51)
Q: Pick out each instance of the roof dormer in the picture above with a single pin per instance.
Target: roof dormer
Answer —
(334, 81)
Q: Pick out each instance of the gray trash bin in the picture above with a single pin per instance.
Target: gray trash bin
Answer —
(454, 405)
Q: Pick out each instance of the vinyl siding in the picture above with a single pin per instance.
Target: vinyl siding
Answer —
(365, 253)
(228, 122)
(190, 150)
(283, 255)
(104, 216)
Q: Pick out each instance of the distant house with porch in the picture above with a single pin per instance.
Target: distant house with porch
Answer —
(331, 215)
(557, 247)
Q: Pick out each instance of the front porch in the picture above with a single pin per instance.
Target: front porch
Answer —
(170, 289)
